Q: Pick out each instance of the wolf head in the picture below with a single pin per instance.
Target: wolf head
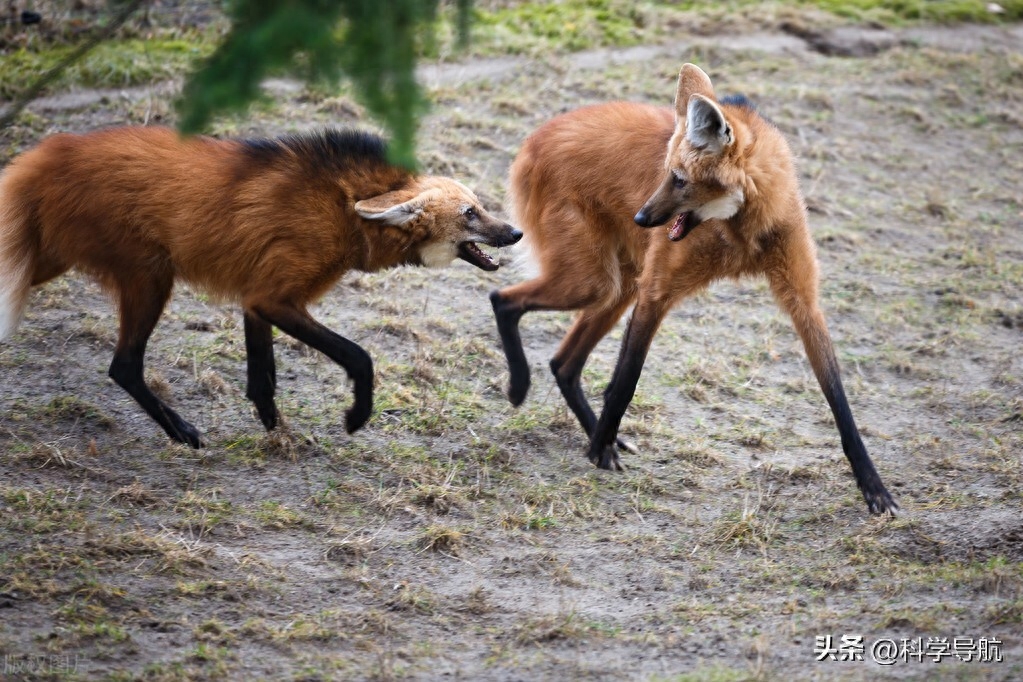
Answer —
(445, 219)
(705, 167)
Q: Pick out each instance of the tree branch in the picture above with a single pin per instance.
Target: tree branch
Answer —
(40, 84)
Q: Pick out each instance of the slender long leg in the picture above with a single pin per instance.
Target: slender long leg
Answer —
(262, 371)
(645, 321)
(590, 327)
(508, 314)
(671, 272)
(510, 304)
(797, 295)
(356, 362)
(141, 303)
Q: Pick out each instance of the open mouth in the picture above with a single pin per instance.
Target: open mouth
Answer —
(683, 225)
(470, 253)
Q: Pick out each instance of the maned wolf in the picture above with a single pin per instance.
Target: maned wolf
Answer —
(729, 195)
(270, 223)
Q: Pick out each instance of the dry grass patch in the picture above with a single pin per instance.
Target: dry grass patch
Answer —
(351, 551)
(202, 511)
(409, 597)
(443, 539)
(274, 515)
(135, 494)
(61, 454)
(561, 626)
(753, 527)
(167, 552)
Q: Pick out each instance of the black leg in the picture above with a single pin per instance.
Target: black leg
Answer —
(262, 379)
(619, 393)
(141, 303)
(800, 301)
(356, 361)
(570, 384)
(567, 365)
(877, 497)
(508, 315)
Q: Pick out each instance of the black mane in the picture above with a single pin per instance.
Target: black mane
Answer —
(333, 148)
(738, 101)
(746, 103)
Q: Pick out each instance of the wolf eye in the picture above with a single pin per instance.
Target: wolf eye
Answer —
(679, 182)
(470, 213)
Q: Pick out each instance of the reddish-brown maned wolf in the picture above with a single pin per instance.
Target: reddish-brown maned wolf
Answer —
(270, 223)
(730, 191)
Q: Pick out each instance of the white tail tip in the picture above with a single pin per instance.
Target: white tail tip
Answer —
(15, 275)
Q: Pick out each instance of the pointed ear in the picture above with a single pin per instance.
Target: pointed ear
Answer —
(393, 208)
(706, 125)
(691, 81)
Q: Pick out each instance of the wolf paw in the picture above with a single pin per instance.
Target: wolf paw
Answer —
(269, 416)
(356, 417)
(607, 458)
(879, 500)
(517, 389)
(187, 434)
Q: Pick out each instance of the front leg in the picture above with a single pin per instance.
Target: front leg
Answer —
(567, 364)
(297, 323)
(640, 333)
(825, 366)
(262, 371)
(796, 292)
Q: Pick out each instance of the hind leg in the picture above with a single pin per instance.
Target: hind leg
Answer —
(567, 364)
(262, 379)
(511, 303)
(508, 313)
(141, 304)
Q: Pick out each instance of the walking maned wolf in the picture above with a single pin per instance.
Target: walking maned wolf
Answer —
(728, 183)
(272, 224)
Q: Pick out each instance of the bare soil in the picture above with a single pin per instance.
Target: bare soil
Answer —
(456, 537)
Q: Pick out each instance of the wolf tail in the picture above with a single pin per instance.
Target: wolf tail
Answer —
(18, 255)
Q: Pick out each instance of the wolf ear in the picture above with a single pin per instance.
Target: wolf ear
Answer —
(706, 125)
(391, 209)
(691, 81)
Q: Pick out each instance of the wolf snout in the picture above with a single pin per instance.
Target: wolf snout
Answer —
(508, 236)
(645, 218)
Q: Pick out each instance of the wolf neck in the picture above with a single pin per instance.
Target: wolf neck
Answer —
(387, 246)
(768, 210)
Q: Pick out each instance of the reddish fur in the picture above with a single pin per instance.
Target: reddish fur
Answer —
(579, 179)
(268, 224)
(123, 203)
(576, 208)
(576, 186)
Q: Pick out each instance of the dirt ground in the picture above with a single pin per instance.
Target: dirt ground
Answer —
(456, 537)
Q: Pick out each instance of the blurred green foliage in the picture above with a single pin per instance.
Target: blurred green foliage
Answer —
(939, 11)
(373, 42)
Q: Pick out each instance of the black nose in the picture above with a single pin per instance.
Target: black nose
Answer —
(506, 235)
(509, 236)
(642, 218)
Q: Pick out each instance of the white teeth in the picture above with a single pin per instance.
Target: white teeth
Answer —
(477, 251)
